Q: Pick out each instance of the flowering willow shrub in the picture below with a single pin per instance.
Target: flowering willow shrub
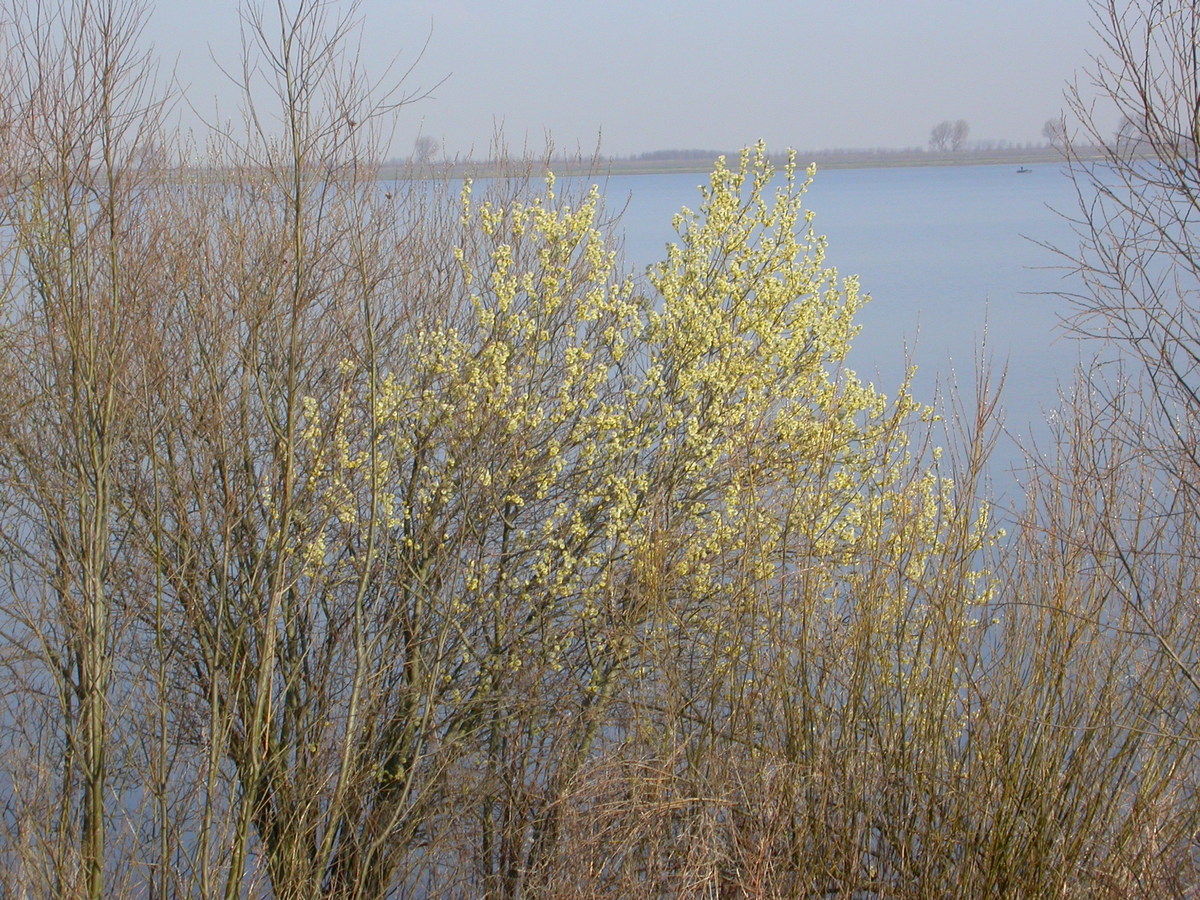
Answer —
(660, 517)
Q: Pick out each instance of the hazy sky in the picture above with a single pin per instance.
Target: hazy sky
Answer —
(708, 74)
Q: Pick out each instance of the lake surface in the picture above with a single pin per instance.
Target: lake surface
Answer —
(946, 253)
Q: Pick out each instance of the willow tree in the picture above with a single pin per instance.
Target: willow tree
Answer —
(576, 519)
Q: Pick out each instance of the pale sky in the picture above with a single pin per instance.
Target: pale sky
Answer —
(645, 75)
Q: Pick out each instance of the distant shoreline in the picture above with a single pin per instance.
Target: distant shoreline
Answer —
(865, 159)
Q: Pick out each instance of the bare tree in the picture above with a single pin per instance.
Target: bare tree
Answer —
(425, 149)
(939, 137)
(1138, 256)
(949, 135)
(1055, 132)
(1139, 252)
(958, 134)
(85, 109)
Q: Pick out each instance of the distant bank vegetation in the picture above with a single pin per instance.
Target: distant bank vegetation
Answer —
(701, 161)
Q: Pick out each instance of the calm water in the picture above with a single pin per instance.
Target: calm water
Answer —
(944, 252)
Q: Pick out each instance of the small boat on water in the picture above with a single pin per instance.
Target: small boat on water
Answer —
(1023, 171)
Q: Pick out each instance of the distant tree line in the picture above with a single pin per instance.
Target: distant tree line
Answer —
(655, 155)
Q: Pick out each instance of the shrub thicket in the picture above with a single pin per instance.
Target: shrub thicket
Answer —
(368, 541)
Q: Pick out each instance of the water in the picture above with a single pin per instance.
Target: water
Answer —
(948, 254)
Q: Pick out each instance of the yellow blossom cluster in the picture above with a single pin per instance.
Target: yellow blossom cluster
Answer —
(578, 472)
